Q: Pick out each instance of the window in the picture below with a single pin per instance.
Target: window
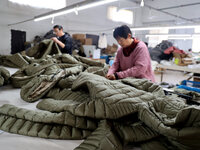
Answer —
(155, 40)
(196, 41)
(121, 15)
(51, 4)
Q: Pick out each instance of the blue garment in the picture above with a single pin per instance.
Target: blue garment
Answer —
(67, 40)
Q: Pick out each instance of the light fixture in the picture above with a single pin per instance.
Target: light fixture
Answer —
(169, 35)
(175, 36)
(76, 11)
(165, 27)
(52, 20)
(142, 3)
(75, 8)
(180, 38)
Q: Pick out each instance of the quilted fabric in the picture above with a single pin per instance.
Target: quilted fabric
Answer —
(4, 76)
(78, 102)
(134, 115)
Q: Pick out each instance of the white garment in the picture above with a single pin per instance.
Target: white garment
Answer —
(102, 43)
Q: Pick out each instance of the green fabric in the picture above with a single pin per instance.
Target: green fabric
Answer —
(195, 95)
(134, 115)
(103, 138)
(15, 61)
(4, 76)
(40, 85)
(25, 74)
(46, 47)
(49, 64)
(78, 102)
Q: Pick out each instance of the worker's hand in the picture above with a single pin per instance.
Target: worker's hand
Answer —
(111, 77)
(55, 39)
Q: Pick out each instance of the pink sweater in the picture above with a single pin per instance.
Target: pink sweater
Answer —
(137, 65)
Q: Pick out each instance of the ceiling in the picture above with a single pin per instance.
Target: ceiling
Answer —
(172, 11)
(153, 12)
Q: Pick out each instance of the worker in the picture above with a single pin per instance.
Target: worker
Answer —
(64, 40)
(132, 59)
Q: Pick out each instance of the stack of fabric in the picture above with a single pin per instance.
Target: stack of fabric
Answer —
(4, 76)
(80, 103)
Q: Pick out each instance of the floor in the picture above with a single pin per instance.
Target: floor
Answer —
(8, 141)
(172, 77)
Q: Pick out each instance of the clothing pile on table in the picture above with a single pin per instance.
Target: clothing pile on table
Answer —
(173, 49)
(80, 103)
(157, 53)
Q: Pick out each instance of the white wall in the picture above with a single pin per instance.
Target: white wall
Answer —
(151, 17)
(11, 13)
(92, 21)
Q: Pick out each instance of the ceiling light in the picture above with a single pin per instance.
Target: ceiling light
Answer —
(169, 35)
(52, 20)
(180, 38)
(164, 27)
(74, 9)
(142, 3)
(175, 36)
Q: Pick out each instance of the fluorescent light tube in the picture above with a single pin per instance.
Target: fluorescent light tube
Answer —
(169, 35)
(180, 38)
(164, 27)
(55, 15)
(95, 4)
(142, 3)
(78, 8)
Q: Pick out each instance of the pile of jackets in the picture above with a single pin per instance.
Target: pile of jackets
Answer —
(157, 53)
(4, 76)
(80, 103)
(76, 44)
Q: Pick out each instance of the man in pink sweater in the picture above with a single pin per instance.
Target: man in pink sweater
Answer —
(132, 59)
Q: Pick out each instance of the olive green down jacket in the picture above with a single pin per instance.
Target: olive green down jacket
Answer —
(4, 76)
(80, 103)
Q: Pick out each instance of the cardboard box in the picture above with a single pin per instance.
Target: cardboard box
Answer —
(78, 36)
(196, 79)
(82, 41)
(88, 41)
(111, 49)
(188, 61)
(101, 60)
(114, 48)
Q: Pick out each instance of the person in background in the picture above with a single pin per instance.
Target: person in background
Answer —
(63, 40)
(132, 59)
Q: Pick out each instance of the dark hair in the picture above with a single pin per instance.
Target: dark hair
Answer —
(122, 32)
(58, 26)
(147, 44)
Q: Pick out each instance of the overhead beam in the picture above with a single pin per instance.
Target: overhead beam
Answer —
(68, 9)
(162, 11)
(179, 6)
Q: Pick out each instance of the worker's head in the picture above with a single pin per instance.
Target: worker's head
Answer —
(123, 35)
(58, 30)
